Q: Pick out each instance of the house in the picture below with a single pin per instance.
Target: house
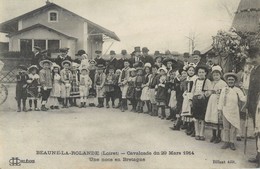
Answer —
(52, 27)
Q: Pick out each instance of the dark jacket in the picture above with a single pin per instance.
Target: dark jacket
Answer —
(60, 59)
(100, 61)
(253, 91)
(147, 59)
(36, 59)
(112, 63)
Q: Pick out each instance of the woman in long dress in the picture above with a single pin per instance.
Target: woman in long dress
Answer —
(211, 117)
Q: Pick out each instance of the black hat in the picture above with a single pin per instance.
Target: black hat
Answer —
(123, 52)
(138, 64)
(156, 53)
(158, 56)
(204, 67)
(63, 50)
(168, 60)
(23, 67)
(98, 52)
(145, 50)
(80, 52)
(186, 55)
(112, 52)
(211, 55)
(137, 49)
(37, 48)
(196, 52)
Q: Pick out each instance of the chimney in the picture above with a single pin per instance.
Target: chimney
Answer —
(47, 2)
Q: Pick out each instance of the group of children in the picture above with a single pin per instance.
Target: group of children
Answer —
(194, 101)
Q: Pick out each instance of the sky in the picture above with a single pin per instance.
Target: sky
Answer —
(157, 24)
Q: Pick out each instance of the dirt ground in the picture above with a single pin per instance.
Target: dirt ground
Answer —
(92, 129)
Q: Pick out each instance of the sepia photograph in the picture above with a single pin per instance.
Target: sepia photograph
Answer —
(129, 84)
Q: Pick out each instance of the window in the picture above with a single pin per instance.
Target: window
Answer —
(53, 16)
(53, 45)
(26, 45)
(41, 43)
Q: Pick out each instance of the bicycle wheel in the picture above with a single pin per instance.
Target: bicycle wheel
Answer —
(3, 93)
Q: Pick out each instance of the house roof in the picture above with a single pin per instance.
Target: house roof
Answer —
(247, 17)
(5, 26)
(40, 26)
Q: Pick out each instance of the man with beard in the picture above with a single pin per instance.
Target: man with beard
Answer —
(254, 94)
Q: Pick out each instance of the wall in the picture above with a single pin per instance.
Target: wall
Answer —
(40, 33)
(67, 24)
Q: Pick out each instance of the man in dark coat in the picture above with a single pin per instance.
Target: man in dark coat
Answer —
(120, 62)
(210, 58)
(63, 56)
(254, 92)
(178, 64)
(37, 56)
(146, 58)
(136, 58)
(99, 60)
(196, 58)
(112, 62)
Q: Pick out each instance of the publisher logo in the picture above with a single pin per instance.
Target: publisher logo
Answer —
(15, 161)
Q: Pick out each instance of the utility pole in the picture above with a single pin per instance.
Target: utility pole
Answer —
(192, 44)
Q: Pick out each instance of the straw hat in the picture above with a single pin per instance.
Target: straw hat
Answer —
(45, 61)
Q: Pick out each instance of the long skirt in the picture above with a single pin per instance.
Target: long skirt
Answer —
(130, 94)
(32, 92)
(56, 90)
(152, 96)
(74, 89)
(173, 101)
(186, 109)
(65, 90)
(145, 94)
(212, 118)
(199, 106)
(83, 91)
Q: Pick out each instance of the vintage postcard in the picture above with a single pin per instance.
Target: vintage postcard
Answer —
(129, 84)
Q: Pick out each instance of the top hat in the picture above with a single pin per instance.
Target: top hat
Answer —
(98, 52)
(112, 52)
(123, 52)
(211, 55)
(186, 55)
(63, 50)
(156, 53)
(80, 52)
(196, 52)
(226, 75)
(145, 50)
(32, 67)
(45, 61)
(137, 49)
(37, 48)
(174, 53)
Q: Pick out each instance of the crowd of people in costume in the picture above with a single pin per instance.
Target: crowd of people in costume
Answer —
(197, 93)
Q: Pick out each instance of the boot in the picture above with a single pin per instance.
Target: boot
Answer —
(102, 102)
(155, 110)
(170, 116)
(232, 146)
(191, 129)
(213, 139)
(188, 128)
(225, 146)
(184, 126)
(177, 125)
(99, 103)
(254, 159)
(141, 109)
(123, 105)
(43, 108)
(163, 112)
